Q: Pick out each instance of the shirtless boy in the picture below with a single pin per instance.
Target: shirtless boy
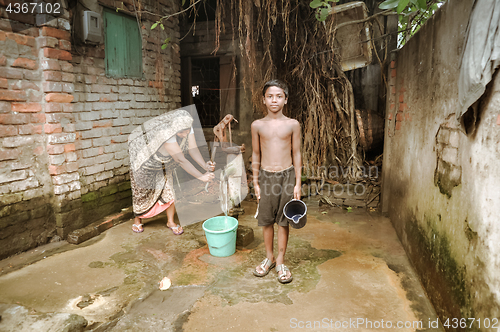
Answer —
(276, 166)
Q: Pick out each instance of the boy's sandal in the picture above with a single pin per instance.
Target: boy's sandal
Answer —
(266, 265)
(282, 272)
(137, 228)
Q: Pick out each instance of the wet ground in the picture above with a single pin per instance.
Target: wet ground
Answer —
(350, 274)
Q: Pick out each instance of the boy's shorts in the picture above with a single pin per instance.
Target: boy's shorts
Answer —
(276, 189)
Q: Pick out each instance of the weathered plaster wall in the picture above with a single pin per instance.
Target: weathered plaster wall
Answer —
(441, 187)
(64, 124)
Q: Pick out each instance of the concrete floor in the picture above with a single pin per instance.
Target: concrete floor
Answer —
(350, 273)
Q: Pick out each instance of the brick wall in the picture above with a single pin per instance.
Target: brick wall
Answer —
(64, 124)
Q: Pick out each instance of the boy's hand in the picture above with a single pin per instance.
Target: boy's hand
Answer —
(256, 189)
(296, 192)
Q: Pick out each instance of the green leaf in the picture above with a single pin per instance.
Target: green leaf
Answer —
(414, 2)
(183, 2)
(422, 4)
(164, 46)
(315, 3)
(162, 27)
(323, 14)
(389, 4)
(154, 25)
(402, 5)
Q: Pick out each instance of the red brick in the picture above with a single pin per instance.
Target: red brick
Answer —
(52, 32)
(4, 83)
(38, 150)
(25, 63)
(5, 107)
(22, 39)
(69, 147)
(55, 149)
(13, 95)
(47, 42)
(65, 45)
(66, 66)
(403, 106)
(30, 129)
(393, 73)
(13, 119)
(53, 128)
(52, 86)
(12, 73)
(398, 125)
(52, 53)
(3, 60)
(56, 170)
(393, 64)
(498, 120)
(102, 124)
(58, 98)
(24, 85)
(389, 116)
(401, 97)
(3, 36)
(34, 97)
(8, 131)
(53, 107)
(49, 64)
(37, 118)
(72, 167)
(399, 116)
(58, 118)
(67, 107)
(26, 107)
(9, 154)
(50, 75)
(402, 89)
(68, 77)
(391, 106)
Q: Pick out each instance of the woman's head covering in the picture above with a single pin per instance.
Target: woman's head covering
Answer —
(146, 139)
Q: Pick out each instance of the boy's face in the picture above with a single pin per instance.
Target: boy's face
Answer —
(274, 99)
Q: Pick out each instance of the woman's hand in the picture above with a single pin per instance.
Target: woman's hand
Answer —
(210, 166)
(207, 177)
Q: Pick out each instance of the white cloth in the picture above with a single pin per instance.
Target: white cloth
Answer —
(173, 139)
(481, 54)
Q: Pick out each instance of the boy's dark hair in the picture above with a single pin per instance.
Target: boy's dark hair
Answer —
(278, 83)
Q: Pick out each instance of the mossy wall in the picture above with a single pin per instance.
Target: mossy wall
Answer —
(440, 185)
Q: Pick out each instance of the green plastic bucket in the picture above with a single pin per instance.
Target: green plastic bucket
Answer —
(221, 235)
